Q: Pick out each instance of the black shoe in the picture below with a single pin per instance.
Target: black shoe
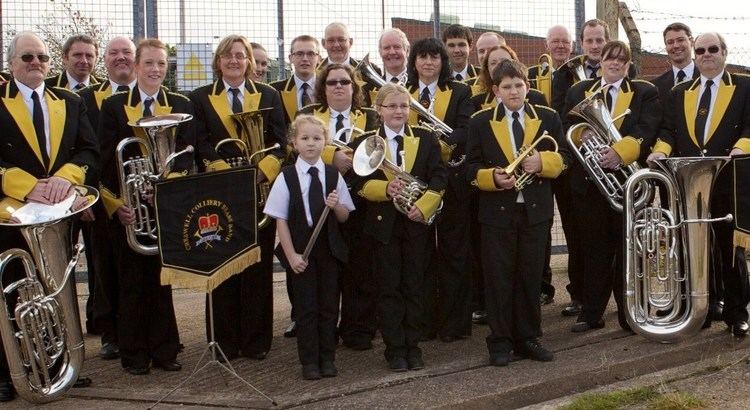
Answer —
(573, 309)
(740, 328)
(137, 371)
(534, 351)
(545, 299)
(328, 369)
(716, 310)
(415, 363)
(82, 382)
(291, 330)
(311, 372)
(500, 359)
(479, 317)
(581, 327)
(7, 392)
(109, 351)
(398, 364)
(624, 325)
(168, 365)
(256, 356)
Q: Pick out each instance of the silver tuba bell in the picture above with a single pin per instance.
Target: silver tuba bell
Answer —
(42, 337)
(666, 249)
(138, 174)
(610, 183)
(370, 156)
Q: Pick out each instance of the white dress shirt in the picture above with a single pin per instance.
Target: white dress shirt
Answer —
(521, 119)
(332, 122)
(390, 137)
(714, 93)
(240, 94)
(26, 94)
(688, 70)
(614, 90)
(310, 90)
(144, 96)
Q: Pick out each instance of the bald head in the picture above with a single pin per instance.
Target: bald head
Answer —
(30, 73)
(337, 42)
(119, 58)
(559, 44)
(710, 54)
(486, 41)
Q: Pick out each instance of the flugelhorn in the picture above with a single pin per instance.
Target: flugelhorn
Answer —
(370, 156)
(42, 338)
(667, 249)
(610, 183)
(138, 174)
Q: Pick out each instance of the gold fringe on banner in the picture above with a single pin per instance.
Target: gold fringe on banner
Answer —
(178, 277)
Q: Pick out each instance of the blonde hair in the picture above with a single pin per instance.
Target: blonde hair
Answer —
(389, 89)
(307, 119)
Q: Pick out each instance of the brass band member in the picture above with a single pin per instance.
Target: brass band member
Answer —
(431, 84)
(678, 41)
(147, 330)
(337, 42)
(260, 55)
(401, 240)
(558, 45)
(600, 227)
(485, 42)
(243, 304)
(119, 59)
(393, 47)
(79, 55)
(39, 162)
(711, 116)
(484, 97)
(514, 241)
(458, 40)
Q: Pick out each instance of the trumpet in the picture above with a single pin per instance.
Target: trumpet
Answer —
(138, 174)
(525, 178)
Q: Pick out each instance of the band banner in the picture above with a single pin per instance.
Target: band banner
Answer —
(741, 170)
(207, 227)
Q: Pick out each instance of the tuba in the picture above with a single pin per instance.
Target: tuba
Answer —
(42, 337)
(610, 183)
(370, 156)
(252, 150)
(138, 174)
(666, 249)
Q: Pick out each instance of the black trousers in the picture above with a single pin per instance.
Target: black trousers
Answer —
(316, 297)
(147, 328)
(566, 207)
(399, 270)
(730, 263)
(243, 304)
(600, 230)
(477, 277)
(547, 288)
(358, 290)
(107, 293)
(447, 292)
(513, 259)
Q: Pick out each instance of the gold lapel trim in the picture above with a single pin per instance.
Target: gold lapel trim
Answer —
(220, 104)
(623, 103)
(502, 135)
(721, 104)
(442, 100)
(358, 119)
(690, 105)
(56, 110)
(20, 113)
(411, 148)
(289, 97)
(531, 126)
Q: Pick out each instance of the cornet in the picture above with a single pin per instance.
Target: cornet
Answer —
(524, 178)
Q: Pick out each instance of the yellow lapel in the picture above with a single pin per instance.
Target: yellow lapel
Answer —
(22, 117)
(489, 101)
(220, 104)
(251, 98)
(442, 99)
(690, 105)
(476, 88)
(100, 95)
(623, 103)
(411, 147)
(289, 97)
(502, 136)
(163, 108)
(358, 119)
(530, 126)
(56, 109)
(413, 117)
(323, 115)
(134, 112)
(723, 98)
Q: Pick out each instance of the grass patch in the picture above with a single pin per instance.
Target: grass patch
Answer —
(642, 397)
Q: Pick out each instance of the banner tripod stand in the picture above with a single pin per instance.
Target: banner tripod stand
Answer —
(214, 348)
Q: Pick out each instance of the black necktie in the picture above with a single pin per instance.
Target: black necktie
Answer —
(593, 69)
(680, 76)
(703, 106)
(394, 80)
(41, 136)
(459, 77)
(147, 107)
(424, 98)
(517, 131)
(608, 97)
(315, 195)
(400, 147)
(122, 88)
(340, 125)
(236, 104)
(79, 86)
(305, 100)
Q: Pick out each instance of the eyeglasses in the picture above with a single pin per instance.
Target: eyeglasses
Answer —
(394, 107)
(27, 58)
(302, 54)
(238, 56)
(333, 83)
(702, 50)
(340, 40)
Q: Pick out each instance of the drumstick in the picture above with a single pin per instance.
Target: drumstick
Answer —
(315, 233)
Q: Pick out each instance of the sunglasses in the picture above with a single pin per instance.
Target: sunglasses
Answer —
(333, 83)
(27, 58)
(701, 50)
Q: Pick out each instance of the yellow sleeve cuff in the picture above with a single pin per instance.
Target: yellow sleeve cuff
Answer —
(17, 183)
(485, 180)
(428, 203)
(662, 147)
(628, 148)
(270, 166)
(743, 144)
(375, 190)
(576, 135)
(446, 150)
(327, 154)
(218, 165)
(8, 205)
(173, 175)
(552, 164)
(73, 173)
(110, 201)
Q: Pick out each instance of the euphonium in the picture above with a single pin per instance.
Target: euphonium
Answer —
(525, 178)
(610, 183)
(666, 249)
(42, 338)
(370, 156)
(252, 150)
(138, 174)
